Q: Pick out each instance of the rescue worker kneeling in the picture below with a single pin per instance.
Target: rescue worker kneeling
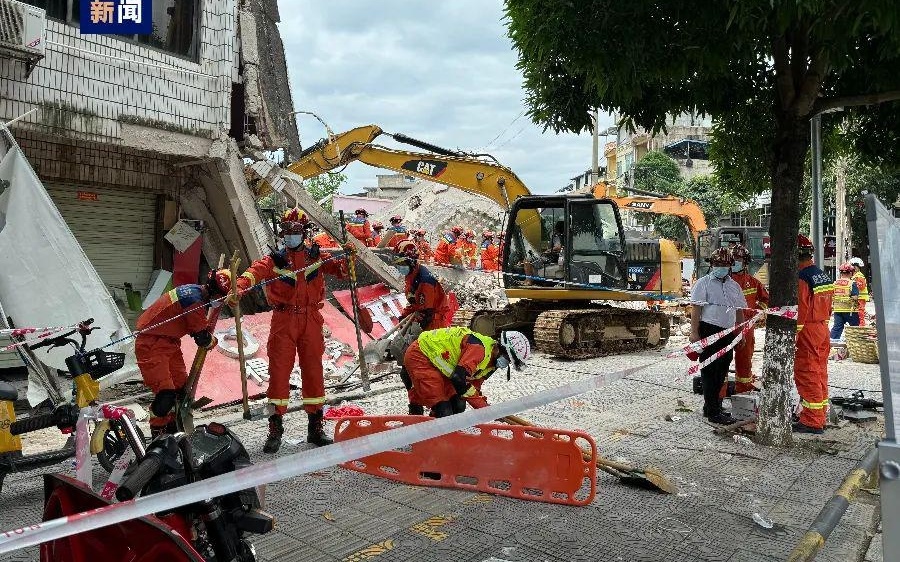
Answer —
(444, 369)
(158, 344)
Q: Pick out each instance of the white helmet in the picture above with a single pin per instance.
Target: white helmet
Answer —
(517, 348)
(856, 261)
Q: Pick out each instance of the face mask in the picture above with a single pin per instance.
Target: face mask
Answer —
(293, 240)
(502, 362)
(720, 272)
(403, 269)
(737, 267)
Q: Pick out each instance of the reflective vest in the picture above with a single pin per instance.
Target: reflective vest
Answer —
(862, 285)
(443, 347)
(842, 301)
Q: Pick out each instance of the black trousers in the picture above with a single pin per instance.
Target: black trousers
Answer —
(713, 375)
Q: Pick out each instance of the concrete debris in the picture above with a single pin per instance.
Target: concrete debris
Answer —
(762, 521)
(436, 207)
(480, 291)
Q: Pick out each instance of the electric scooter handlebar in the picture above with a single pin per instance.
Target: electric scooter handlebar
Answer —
(143, 473)
(63, 417)
(83, 329)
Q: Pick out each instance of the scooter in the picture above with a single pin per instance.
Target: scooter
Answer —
(112, 435)
(213, 530)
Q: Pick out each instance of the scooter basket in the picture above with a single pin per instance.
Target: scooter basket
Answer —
(101, 363)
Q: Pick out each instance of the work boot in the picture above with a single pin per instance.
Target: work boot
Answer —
(441, 409)
(799, 427)
(416, 410)
(316, 430)
(722, 418)
(276, 430)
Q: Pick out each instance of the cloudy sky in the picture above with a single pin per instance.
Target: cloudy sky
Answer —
(443, 72)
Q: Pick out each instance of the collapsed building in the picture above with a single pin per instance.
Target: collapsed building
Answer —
(131, 134)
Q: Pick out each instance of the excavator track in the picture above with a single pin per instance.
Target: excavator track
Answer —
(594, 332)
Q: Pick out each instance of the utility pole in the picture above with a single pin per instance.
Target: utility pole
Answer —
(840, 212)
(815, 224)
(595, 157)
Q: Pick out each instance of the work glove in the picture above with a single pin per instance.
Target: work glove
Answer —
(314, 251)
(477, 401)
(202, 338)
(232, 299)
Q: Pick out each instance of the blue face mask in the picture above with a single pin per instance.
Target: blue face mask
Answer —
(502, 362)
(738, 266)
(720, 272)
(293, 240)
(403, 269)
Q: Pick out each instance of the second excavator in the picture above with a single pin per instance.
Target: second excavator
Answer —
(563, 264)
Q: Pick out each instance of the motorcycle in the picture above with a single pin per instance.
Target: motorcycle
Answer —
(213, 530)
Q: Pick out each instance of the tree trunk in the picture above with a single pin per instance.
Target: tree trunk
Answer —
(788, 167)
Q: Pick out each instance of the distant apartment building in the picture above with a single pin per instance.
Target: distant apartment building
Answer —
(131, 133)
(392, 186)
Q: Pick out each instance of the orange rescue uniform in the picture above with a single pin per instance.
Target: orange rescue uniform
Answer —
(757, 297)
(324, 240)
(490, 257)
(296, 329)
(426, 297)
(445, 249)
(158, 349)
(426, 254)
(360, 229)
(430, 386)
(396, 236)
(815, 291)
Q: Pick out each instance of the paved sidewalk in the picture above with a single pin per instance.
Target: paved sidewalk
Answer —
(341, 515)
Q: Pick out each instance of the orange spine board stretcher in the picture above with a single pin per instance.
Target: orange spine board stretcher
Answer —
(493, 458)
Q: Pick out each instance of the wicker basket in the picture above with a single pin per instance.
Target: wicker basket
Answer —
(862, 343)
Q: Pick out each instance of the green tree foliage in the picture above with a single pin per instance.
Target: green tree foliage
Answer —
(760, 68)
(325, 185)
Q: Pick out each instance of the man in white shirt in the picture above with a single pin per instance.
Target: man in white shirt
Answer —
(723, 300)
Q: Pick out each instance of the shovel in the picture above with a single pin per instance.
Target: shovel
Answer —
(650, 478)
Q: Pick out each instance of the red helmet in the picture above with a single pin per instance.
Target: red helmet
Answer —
(804, 243)
(294, 221)
(363, 212)
(457, 230)
(396, 219)
(219, 282)
(420, 232)
(406, 250)
(846, 268)
(378, 226)
(470, 233)
(720, 257)
(487, 234)
(740, 252)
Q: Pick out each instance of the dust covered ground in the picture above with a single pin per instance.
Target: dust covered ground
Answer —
(729, 491)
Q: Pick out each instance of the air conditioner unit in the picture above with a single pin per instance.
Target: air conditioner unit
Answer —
(22, 30)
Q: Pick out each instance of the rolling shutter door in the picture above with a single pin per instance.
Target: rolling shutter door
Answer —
(115, 227)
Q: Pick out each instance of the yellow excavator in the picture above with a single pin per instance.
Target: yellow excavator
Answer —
(563, 253)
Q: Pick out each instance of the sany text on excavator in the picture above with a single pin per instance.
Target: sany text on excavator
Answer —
(563, 252)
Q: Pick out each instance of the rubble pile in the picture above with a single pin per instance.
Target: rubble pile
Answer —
(436, 207)
(480, 291)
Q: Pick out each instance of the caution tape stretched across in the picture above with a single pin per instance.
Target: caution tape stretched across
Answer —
(789, 312)
(294, 465)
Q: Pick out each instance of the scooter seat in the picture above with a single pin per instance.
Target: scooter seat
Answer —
(8, 392)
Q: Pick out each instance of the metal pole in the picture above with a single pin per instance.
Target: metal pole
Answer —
(595, 157)
(840, 213)
(815, 225)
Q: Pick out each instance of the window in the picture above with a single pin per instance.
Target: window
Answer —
(597, 248)
(176, 23)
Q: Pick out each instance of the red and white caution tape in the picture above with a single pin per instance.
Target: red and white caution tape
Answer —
(789, 312)
(21, 332)
(747, 326)
(294, 465)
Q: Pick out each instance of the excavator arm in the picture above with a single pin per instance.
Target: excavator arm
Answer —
(689, 211)
(472, 173)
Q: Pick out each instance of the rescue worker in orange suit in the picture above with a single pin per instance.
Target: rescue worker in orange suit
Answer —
(296, 331)
(445, 369)
(424, 293)
(447, 246)
(323, 239)
(396, 231)
(814, 296)
(426, 254)
(490, 252)
(158, 348)
(359, 227)
(377, 229)
(757, 296)
(844, 304)
(860, 279)
(466, 250)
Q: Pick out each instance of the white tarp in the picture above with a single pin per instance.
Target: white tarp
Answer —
(46, 278)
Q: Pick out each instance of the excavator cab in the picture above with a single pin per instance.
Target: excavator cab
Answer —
(564, 242)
